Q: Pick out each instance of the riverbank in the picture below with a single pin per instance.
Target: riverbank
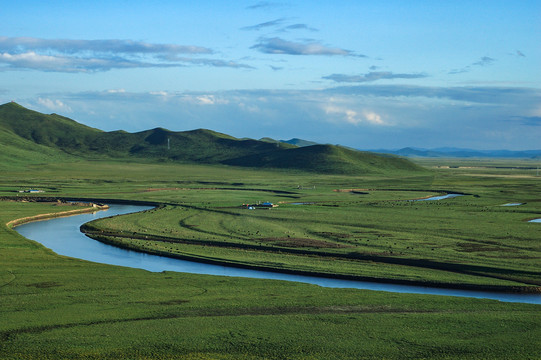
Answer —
(121, 239)
(92, 203)
(93, 208)
(64, 238)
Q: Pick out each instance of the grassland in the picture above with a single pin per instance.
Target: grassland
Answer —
(365, 228)
(56, 307)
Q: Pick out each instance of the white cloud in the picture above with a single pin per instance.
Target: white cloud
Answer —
(367, 116)
(68, 46)
(373, 118)
(163, 94)
(203, 99)
(31, 59)
(353, 117)
(372, 76)
(62, 55)
(54, 105)
(249, 108)
(206, 100)
(70, 64)
(116, 91)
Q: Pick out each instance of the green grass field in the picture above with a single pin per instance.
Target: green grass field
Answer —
(369, 229)
(56, 307)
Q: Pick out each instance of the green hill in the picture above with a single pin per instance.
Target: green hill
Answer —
(16, 151)
(25, 136)
(62, 135)
(30, 137)
(328, 159)
(49, 130)
(202, 146)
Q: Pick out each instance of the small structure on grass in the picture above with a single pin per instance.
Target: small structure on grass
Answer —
(265, 205)
(31, 191)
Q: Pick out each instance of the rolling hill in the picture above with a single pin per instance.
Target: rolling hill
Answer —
(27, 136)
(327, 159)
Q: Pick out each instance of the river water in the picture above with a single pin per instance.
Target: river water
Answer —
(62, 235)
(439, 197)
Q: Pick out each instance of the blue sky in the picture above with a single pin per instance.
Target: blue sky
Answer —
(365, 74)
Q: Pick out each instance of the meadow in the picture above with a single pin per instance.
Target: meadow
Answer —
(369, 227)
(57, 307)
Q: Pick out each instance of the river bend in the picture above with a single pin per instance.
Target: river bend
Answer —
(62, 235)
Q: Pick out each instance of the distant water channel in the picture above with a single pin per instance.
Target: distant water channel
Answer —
(439, 197)
(62, 235)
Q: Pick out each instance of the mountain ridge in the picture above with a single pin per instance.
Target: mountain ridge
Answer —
(444, 152)
(462, 153)
(27, 133)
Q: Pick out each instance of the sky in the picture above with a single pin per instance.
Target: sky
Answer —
(364, 74)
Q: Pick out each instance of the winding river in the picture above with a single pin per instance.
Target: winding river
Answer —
(62, 235)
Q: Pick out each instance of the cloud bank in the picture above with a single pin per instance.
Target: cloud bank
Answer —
(21, 44)
(65, 55)
(361, 116)
(372, 76)
(277, 45)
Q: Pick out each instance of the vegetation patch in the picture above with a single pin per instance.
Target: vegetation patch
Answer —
(301, 242)
(44, 285)
(334, 235)
(473, 247)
